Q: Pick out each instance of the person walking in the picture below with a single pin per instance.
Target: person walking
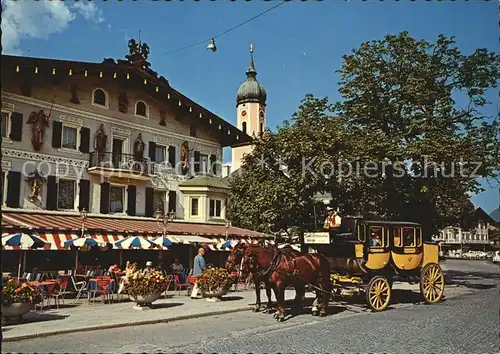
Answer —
(198, 267)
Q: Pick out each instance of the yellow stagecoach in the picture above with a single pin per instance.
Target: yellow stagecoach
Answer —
(370, 255)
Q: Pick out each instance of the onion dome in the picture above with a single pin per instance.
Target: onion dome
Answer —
(251, 90)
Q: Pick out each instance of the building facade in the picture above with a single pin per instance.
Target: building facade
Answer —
(454, 237)
(113, 139)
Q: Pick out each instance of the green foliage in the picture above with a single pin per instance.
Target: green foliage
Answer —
(398, 114)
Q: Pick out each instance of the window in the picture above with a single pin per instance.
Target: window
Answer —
(172, 201)
(194, 206)
(116, 197)
(159, 201)
(141, 109)
(2, 187)
(361, 233)
(192, 130)
(100, 98)
(408, 237)
(66, 194)
(261, 128)
(171, 155)
(376, 236)
(69, 137)
(5, 124)
(398, 242)
(215, 208)
(244, 127)
(160, 152)
(203, 163)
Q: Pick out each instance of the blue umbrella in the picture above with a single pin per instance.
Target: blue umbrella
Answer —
(163, 241)
(135, 242)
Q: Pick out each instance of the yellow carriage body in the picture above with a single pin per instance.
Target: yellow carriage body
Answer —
(372, 254)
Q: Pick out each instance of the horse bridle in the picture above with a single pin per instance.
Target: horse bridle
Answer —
(251, 260)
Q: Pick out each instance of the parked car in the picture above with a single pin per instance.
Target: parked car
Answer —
(496, 257)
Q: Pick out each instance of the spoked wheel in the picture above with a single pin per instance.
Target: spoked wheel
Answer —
(378, 293)
(432, 283)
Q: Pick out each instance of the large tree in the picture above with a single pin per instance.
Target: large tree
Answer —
(410, 134)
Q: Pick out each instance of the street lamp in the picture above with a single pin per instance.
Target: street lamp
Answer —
(163, 219)
(83, 216)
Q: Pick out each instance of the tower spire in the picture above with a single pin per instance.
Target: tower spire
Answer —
(251, 69)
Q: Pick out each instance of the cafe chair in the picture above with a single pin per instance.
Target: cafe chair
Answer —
(80, 287)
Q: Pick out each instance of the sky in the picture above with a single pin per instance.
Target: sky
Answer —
(297, 47)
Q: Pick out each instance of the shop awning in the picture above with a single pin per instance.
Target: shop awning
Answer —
(116, 225)
(191, 239)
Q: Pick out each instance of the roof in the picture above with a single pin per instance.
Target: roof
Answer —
(205, 181)
(127, 75)
(67, 222)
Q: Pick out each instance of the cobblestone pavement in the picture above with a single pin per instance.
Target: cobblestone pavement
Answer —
(466, 322)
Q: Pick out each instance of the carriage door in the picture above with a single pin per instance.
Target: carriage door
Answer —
(379, 254)
(407, 252)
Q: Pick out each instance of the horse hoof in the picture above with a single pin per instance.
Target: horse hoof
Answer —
(322, 314)
(315, 313)
(280, 319)
(256, 309)
(275, 315)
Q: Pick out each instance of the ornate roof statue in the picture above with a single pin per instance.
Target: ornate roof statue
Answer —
(251, 90)
(139, 53)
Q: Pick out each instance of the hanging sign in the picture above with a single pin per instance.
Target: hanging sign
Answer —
(321, 238)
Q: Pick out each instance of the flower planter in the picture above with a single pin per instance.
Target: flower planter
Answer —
(13, 313)
(214, 294)
(145, 301)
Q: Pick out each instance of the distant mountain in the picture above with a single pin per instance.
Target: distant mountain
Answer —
(495, 215)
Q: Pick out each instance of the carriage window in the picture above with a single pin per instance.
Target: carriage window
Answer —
(419, 236)
(376, 236)
(408, 237)
(361, 233)
(397, 237)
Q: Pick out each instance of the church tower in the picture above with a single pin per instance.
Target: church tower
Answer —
(250, 112)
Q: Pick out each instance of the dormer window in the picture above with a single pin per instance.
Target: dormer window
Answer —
(100, 98)
(141, 109)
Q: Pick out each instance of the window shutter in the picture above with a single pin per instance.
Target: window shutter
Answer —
(171, 155)
(213, 166)
(131, 201)
(51, 193)
(172, 201)
(105, 197)
(152, 151)
(14, 189)
(84, 196)
(56, 134)
(85, 140)
(149, 201)
(196, 161)
(16, 126)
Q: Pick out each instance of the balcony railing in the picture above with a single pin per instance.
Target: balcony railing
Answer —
(125, 163)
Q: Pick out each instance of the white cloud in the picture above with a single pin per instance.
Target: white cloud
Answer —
(89, 11)
(40, 19)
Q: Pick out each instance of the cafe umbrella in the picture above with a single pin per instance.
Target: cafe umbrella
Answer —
(83, 243)
(24, 241)
(135, 242)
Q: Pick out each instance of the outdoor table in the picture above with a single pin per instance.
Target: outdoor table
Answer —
(93, 284)
(48, 285)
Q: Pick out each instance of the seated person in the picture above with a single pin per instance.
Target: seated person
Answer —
(149, 268)
(375, 240)
(178, 268)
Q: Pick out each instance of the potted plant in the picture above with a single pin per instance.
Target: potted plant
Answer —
(17, 300)
(214, 282)
(144, 288)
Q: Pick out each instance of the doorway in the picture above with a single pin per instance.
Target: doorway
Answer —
(117, 152)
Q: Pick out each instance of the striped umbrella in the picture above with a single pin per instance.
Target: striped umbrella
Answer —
(136, 242)
(24, 241)
(83, 241)
(163, 241)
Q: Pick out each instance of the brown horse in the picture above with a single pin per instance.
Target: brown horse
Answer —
(235, 259)
(291, 268)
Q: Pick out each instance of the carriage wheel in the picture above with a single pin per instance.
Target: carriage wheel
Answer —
(432, 283)
(378, 293)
